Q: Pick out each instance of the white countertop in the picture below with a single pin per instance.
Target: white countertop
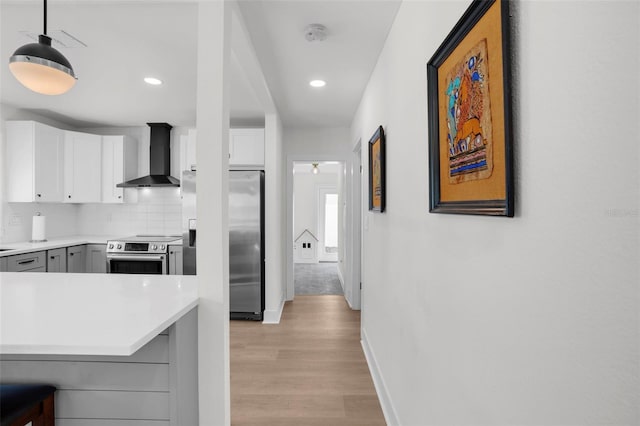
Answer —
(53, 243)
(89, 314)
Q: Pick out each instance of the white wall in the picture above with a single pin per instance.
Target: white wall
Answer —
(274, 220)
(334, 142)
(531, 320)
(212, 201)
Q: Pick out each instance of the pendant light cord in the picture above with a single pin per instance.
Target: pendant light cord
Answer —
(45, 17)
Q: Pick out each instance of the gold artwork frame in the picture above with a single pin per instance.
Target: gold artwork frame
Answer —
(470, 130)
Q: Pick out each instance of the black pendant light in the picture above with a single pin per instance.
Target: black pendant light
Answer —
(41, 68)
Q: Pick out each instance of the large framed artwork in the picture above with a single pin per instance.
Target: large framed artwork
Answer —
(377, 171)
(470, 129)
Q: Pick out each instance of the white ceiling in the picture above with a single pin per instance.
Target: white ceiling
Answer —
(128, 40)
(356, 32)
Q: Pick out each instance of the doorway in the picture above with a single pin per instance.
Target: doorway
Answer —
(317, 195)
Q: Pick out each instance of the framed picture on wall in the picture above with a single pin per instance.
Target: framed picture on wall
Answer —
(377, 171)
(470, 130)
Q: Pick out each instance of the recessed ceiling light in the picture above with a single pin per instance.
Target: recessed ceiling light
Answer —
(153, 81)
(317, 83)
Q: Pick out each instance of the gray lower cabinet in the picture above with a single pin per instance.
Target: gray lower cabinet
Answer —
(57, 260)
(175, 260)
(157, 385)
(80, 258)
(28, 262)
(76, 258)
(96, 258)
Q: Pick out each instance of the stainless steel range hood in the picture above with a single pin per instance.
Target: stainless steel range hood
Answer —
(159, 160)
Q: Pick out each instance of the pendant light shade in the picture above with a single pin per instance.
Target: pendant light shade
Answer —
(41, 68)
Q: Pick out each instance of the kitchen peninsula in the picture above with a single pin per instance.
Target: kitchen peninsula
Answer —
(119, 347)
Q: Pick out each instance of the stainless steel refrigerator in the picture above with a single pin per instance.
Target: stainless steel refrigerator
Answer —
(246, 244)
(246, 239)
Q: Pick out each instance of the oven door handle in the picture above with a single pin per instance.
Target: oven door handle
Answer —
(161, 257)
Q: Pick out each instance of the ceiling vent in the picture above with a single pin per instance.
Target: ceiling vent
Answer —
(315, 32)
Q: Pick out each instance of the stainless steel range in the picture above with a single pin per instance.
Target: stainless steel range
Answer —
(141, 254)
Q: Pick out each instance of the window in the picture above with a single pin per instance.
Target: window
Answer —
(331, 223)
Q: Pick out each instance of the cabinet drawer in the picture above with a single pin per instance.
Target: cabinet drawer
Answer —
(27, 262)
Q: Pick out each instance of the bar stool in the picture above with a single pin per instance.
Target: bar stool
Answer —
(24, 403)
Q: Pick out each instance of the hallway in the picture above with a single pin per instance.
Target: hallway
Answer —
(307, 371)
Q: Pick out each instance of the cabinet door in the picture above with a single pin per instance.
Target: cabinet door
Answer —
(119, 163)
(112, 169)
(76, 258)
(82, 167)
(48, 163)
(246, 147)
(57, 260)
(34, 162)
(188, 150)
(175, 260)
(96, 258)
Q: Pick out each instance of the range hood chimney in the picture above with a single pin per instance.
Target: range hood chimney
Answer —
(159, 160)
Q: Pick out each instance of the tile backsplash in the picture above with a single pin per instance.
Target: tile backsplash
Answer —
(158, 211)
(17, 219)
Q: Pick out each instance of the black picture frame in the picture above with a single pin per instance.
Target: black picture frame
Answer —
(377, 171)
(502, 206)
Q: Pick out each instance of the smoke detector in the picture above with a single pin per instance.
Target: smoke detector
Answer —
(315, 32)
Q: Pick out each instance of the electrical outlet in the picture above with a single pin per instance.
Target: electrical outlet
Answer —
(15, 220)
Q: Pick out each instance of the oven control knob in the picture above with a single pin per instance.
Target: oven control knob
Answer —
(119, 246)
(154, 247)
(162, 247)
(110, 246)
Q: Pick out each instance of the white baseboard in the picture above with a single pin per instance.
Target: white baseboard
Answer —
(340, 278)
(273, 316)
(349, 303)
(388, 410)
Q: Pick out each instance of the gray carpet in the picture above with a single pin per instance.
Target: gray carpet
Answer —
(317, 278)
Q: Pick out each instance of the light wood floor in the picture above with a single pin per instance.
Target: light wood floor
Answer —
(307, 371)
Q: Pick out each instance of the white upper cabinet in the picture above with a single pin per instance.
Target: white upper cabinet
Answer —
(34, 162)
(246, 147)
(82, 167)
(119, 163)
(187, 151)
